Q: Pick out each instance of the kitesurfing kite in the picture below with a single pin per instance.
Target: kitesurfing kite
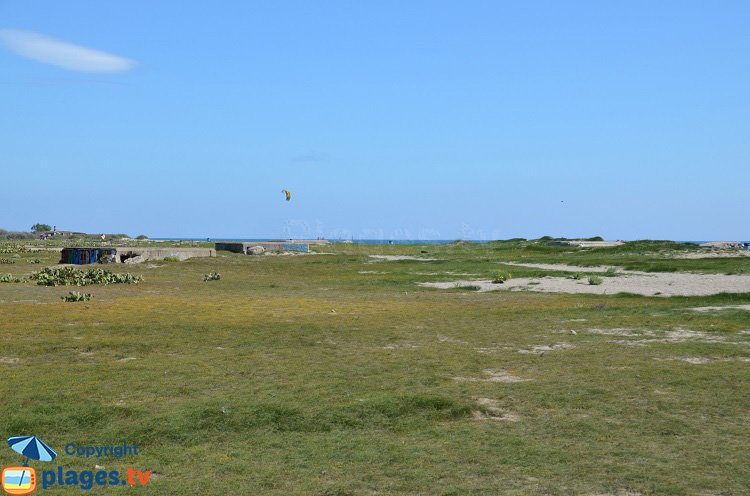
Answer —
(288, 194)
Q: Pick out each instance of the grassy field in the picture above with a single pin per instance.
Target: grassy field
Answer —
(335, 374)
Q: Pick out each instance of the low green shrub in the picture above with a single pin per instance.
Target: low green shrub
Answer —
(9, 278)
(70, 276)
(213, 276)
(501, 277)
(12, 248)
(7, 261)
(77, 296)
(34, 261)
(171, 259)
(595, 280)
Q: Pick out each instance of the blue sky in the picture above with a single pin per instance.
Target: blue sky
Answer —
(387, 119)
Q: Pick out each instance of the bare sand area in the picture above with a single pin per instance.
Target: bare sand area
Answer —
(643, 283)
(724, 307)
(394, 258)
(562, 267)
(714, 254)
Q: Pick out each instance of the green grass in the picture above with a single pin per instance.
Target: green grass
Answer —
(337, 374)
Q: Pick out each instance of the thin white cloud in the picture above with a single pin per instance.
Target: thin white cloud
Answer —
(49, 50)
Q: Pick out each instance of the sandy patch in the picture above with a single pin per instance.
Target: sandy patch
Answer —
(725, 307)
(493, 376)
(9, 360)
(393, 258)
(695, 360)
(675, 336)
(446, 339)
(127, 359)
(562, 267)
(704, 360)
(643, 337)
(642, 283)
(372, 272)
(714, 254)
(401, 346)
(491, 411)
(494, 349)
(544, 348)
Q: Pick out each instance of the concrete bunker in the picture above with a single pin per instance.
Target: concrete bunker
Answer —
(272, 246)
(129, 255)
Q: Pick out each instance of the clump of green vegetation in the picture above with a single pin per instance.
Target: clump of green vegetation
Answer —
(9, 278)
(12, 248)
(611, 271)
(70, 276)
(141, 237)
(213, 276)
(34, 261)
(577, 276)
(595, 280)
(38, 227)
(77, 296)
(171, 259)
(501, 277)
(7, 261)
(10, 235)
(425, 391)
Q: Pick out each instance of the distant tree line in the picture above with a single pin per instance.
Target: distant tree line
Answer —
(37, 228)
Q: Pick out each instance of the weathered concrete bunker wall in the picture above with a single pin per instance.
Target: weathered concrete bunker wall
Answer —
(272, 246)
(82, 256)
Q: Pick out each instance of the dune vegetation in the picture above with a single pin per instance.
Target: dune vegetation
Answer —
(336, 373)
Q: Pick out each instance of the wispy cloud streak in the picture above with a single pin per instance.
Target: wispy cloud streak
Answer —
(60, 53)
